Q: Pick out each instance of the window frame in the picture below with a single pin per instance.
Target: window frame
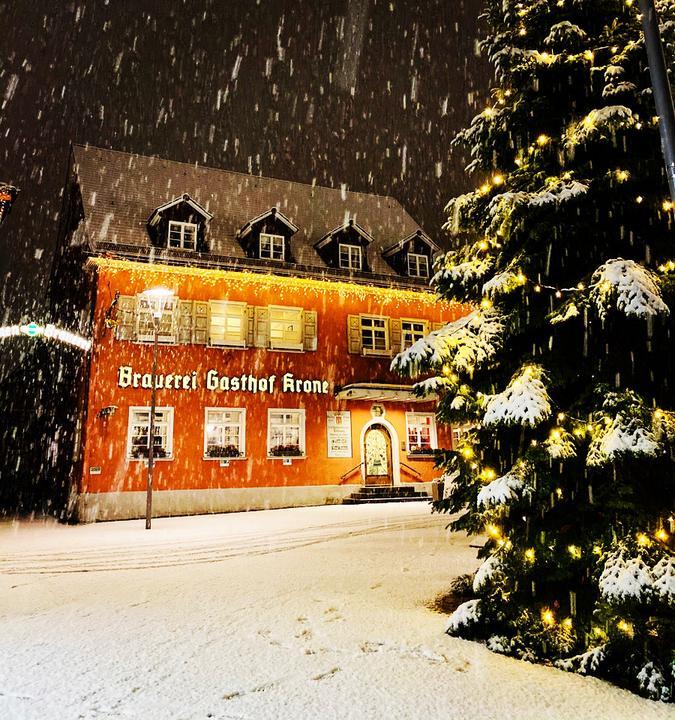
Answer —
(387, 336)
(433, 435)
(243, 333)
(182, 225)
(272, 237)
(297, 345)
(170, 307)
(425, 330)
(418, 257)
(302, 434)
(350, 247)
(242, 432)
(169, 422)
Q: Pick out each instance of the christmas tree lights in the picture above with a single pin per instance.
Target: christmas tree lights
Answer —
(564, 369)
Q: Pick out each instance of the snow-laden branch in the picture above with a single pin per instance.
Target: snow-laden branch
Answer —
(504, 490)
(464, 345)
(524, 402)
(628, 286)
(622, 436)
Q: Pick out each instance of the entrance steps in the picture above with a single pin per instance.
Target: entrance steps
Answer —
(385, 493)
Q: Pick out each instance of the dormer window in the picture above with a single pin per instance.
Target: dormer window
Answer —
(180, 224)
(418, 265)
(272, 247)
(268, 237)
(182, 235)
(346, 247)
(351, 257)
(412, 255)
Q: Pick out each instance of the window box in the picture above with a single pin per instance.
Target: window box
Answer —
(224, 451)
(282, 451)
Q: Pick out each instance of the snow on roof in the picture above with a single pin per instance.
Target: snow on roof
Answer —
(120, 190)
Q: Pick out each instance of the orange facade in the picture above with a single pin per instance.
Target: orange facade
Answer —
(193, 367)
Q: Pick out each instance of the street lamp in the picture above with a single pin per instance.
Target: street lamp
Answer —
(156, 299)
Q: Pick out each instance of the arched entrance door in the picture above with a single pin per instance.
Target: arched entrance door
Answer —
(377, 455)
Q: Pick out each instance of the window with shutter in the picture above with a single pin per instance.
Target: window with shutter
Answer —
(125, 327)
(185, 322)
(354, 334)
(262, 327)
(200, 322)
(412, 331)
(375, 335)
(228, 323)
(286, 328)
(310, 336)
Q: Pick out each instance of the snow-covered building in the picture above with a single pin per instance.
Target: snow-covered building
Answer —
(287, 303)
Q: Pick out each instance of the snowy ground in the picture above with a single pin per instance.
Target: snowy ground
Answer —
(292, 614)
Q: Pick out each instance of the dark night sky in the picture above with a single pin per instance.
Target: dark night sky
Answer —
(363, 92)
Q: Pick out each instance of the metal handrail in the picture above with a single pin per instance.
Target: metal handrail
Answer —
(416, 472)
(349, 472)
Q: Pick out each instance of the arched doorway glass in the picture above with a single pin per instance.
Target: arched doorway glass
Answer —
(377, 455)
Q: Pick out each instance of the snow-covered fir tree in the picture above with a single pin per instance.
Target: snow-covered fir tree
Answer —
(564, 370)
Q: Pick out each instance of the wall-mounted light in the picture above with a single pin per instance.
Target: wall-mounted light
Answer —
(107, 411)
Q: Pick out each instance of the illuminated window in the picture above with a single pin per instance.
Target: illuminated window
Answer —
(145, 320)
(224, 433)
(286, 433)
(182, 235)
(138, 445)
(227, 323)
(374, 334)
(286, 328)
(350, 257)
(418, 265)
(411, 332)
(271, 246)
(421, 433)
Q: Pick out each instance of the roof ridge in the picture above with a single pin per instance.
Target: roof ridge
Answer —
(88, 146)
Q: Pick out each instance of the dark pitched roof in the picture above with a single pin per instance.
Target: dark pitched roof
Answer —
(120, 191)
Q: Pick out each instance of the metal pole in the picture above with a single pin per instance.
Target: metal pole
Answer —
(151, 430)
(661, 88)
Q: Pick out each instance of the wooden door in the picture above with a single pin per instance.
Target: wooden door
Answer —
(377, 456)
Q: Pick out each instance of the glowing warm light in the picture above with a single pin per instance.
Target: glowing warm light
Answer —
(561, 416)
(522, 31)
(520, 277)
(488, 112)
(597, 550)
(543, 140)
(537, 288)
(567, 623)
(661, 535)
(581, 286)
(625, 627)
(574, 551)
(558, 294)
(498, 179)
(484, 188)
(642, 540)
(555, 434)
(529, 554)
(588, 54)
(559, 492)
(667, 205)
(547, 617)
(145, 273)
(488, 475)
(486, 303)
(622, 175)
(493, 531)
(483, 244)
(467, 452)
(639, 199)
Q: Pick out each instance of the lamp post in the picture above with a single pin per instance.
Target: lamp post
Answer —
(663, 98)
(156, 298)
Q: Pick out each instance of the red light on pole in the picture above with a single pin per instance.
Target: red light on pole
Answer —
(8, 195)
